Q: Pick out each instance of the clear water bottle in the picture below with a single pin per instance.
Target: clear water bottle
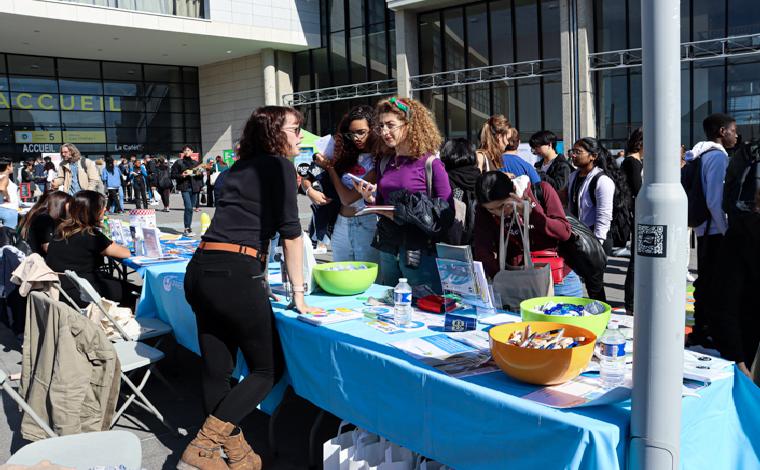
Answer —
(612, 352)
(402, 303)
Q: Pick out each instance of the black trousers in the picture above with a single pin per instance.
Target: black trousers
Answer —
(595, 284)
(706, 295)
(228, 294)
(141, 197)
(165, 193)
(113, 200)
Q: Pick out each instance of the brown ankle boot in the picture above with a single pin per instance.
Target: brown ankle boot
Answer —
(203, 452)
(240, 456)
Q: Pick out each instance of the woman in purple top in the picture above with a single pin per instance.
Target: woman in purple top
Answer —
(405, 237)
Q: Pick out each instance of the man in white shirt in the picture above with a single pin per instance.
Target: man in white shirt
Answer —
(8, 195)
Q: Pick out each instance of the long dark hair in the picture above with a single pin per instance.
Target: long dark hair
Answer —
(346, 153)
(84, 214)
(605, 162)
(263, 132)
(109, 165)
(52, 203)
(635, 141)
(457, 153)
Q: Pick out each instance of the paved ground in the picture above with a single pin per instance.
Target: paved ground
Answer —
(160, 449)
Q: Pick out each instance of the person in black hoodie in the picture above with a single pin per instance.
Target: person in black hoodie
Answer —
(182, 171)
(458, 155)
(554, 168)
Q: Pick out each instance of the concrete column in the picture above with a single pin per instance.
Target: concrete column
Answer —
(284, 75)
(270, 77)
(407, 54)
(576, 37)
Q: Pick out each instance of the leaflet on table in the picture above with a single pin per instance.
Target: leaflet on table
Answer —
(147, 261)
(444, 354)
(328, 317)
(477, 339)
(581, 391)
(500, 319)
(152, 242)
(705, 368)
(456, 276)
(381, 319)
(369, 210)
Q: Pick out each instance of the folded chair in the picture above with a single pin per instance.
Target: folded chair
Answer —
(132, 356)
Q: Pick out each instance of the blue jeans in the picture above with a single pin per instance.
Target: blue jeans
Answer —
(393, 267)
(352, 237)
(570, 286)
(121, 197)
(8, 217)
(187, 201)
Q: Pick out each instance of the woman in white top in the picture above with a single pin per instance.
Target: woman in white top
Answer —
(354, 142)
(50, 174)
(8, 195)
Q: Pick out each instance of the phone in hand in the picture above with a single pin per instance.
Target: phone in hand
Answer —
(357, 179)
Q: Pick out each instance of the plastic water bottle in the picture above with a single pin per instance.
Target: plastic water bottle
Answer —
(402, 303)
(612, 370)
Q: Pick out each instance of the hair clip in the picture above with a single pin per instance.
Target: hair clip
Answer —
(403, 106)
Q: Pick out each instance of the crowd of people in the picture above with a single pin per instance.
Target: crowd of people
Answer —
(427, 191)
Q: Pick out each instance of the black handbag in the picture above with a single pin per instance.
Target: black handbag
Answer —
(582, 251)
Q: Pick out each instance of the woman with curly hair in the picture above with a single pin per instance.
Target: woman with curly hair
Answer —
(354, 142)
(414, 181)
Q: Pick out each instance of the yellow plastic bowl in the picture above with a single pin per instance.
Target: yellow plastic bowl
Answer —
(345, 282)
(541, 366)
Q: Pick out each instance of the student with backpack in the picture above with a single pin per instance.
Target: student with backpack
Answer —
(596, 196)
(703, 180)
(552, 167)
(632, 168)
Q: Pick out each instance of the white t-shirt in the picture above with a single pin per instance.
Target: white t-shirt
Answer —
(12, 202)
(51, 175)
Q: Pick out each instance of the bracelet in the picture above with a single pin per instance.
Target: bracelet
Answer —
(302, 290)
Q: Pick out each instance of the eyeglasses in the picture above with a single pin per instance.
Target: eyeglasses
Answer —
(379, 128)
(294, 130)
(357, 135)
(575, 152)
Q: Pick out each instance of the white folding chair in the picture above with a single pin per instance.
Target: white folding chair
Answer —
(4, 382)
(149, 327)
(132, 356)
(86, 451)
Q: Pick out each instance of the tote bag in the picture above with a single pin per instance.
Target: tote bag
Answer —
(517, 283)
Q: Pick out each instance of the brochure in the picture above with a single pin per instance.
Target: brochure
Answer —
(325, 145)
(456, 276)
(147, 261)
(328, 317)
(705, 368)
(117, 232)
(152, 242)
(581, 391)
(444, 354)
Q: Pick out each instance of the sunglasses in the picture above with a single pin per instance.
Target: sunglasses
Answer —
(360, 134)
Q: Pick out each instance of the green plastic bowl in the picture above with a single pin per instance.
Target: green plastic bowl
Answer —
(345, 282)
(595, 323)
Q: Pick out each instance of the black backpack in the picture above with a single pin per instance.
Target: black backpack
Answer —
(620, 225)
(691, 180)
(740, 184)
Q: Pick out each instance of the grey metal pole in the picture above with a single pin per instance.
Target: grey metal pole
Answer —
(660, 249)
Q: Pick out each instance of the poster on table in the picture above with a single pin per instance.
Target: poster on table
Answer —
(151, 239)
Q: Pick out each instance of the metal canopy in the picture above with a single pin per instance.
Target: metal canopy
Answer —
(337, 93)
(491, 73)
(734, 46)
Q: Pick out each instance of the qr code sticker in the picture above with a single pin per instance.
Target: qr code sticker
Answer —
(651, 240)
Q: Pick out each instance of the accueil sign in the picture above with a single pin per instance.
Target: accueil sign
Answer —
(51, 102)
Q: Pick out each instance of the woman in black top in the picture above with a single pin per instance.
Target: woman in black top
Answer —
(43, 219)
(632, 168)
(226, 285)
(553, 167)
(458, 155)
(80, 246)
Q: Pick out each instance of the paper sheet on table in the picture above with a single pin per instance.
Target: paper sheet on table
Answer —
(477, 339)
(705, 368)
(444, 354)
(325, 145)
(500, 319)
(581, 391)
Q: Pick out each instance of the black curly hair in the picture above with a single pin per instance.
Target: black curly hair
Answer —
(346, 154)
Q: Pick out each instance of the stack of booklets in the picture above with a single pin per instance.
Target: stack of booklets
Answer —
(328, 317)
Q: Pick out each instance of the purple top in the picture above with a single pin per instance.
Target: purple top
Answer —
(407, 173)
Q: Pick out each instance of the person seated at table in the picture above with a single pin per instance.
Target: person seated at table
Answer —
(43, 219)
(226, 287)
(548, 226)
(80, 246)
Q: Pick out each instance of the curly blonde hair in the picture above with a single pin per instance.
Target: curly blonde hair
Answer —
(495, 127)
(422, 133)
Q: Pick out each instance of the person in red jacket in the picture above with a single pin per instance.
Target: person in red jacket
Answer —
(495, 192)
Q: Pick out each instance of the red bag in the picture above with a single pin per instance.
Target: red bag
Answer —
(551, 258)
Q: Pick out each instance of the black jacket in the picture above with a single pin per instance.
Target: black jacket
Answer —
(738, 331)
(463, 181)
(557, 175)
(184, 183)
(418, 223)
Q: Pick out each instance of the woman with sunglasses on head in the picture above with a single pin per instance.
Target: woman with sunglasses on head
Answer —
(497, 193)
(354, 142)
(226, 287)
(591, 192)
(406, 236)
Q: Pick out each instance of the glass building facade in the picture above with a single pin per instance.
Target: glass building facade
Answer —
(189, 8)
(358, 45)
(728, 85)
(492, 33)
(104, 108)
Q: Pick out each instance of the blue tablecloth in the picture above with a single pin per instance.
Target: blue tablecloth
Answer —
(479, 422)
